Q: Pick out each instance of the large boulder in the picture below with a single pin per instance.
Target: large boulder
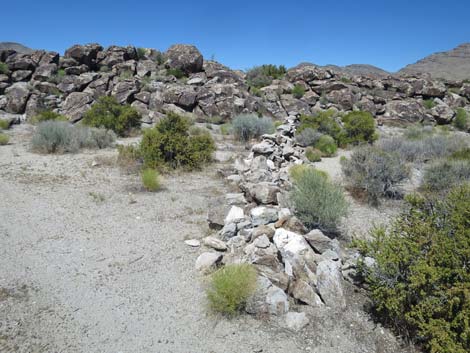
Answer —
(330, 283)
(17, 97)
(84, 54)
(409, 111)
(187, 58)
(76, 104)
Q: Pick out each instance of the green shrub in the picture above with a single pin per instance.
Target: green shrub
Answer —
(418, 132)
(4, 70)
(261, 76)
(420, 283)
(313, 155)
(61, 137)
(463, 154)
(446, 173)
(150, 179)
(429, 103)
(296, 171)
(256, 91)
(47, 115)
(129, 159)
(375, 172)
(126, 75)
(359, 127)
(248, 126)
(231, 287)
(178, 73)
(298, 91)
(170, 144)
(141, 53)
(323, 121)
(317, 201)
(4, 138)
(109, 114)
(225, 129)
(327, 145)
(307, 137)
(4, 125)
(461, 120)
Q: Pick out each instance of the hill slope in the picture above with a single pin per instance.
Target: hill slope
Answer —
(20, 48)
(452, 65)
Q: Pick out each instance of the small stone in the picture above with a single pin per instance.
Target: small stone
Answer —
(235, 215)
(207, 261)
(296, 321)
(263, 215)
(262, 242)
(193, 243)
(277, 301)
(215, 243)
(228, 231)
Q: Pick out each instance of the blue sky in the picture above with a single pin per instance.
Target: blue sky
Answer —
(241, 34)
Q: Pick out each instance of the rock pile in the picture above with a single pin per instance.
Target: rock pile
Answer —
(150, 81)
(256, 226)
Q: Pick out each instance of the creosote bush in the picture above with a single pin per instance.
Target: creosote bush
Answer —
(109, 114)
(323, 122)
(317, 202)
(169, 144)
(4, 68)
(429, 103)
(298, 91)
(178, 73)
(61, 137)
(461, 120)
(47, 115)
(248, 126)
(359, 127)
(261, 76)
(308, 137)
(313, 155)
(420, 283)
(4, 139)
(230, 288)
(326, 145)
(150, 179)
(377, 173)
(4, 125)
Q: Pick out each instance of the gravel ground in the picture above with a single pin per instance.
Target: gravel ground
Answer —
(91, 263)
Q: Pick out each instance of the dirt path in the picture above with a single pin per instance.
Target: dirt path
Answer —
(89, 263)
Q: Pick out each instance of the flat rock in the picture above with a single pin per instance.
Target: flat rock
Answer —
(207, 261)
(193, 243)
(215, 243)
(296, 321)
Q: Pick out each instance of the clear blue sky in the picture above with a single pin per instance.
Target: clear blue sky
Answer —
(241, 34)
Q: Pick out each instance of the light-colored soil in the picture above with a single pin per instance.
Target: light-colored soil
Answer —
(91, 263)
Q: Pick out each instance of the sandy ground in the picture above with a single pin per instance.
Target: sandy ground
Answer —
(91, 263)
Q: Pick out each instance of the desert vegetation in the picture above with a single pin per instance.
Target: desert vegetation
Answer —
(261, 76)
(249, 126)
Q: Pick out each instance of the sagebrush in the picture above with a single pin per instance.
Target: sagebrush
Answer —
(248, 126)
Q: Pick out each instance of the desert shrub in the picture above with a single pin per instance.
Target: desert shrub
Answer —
(129, 158)
(4, 138)
(429, 103)
(427, 148)
(141, 53)
(178, 73)
(196, 130)
(420, 283)
(375, 172)
(61, 137)
(109, 114)
(296, 171)
(359, 127)
(47, 115)
(327, 146)
(248, 126)
(230, 288)
(441, 175)
(323, 121)
(225, 129)
(418, 132)
(313, 155)
(461, 120)
(4, 125)
(463, 154)
(170, 144)
(150, 179)
(261, 76)
(4, 70)
(317, 201)
(308, 137)
(256, 91)
(298, 91)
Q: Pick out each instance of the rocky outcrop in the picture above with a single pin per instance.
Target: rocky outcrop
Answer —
(144, 78)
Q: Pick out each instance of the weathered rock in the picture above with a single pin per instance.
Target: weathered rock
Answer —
(263, 215)
(193, 243)
(235, 215)
(76, 104)
(21, 75)
(184, 57)
(442, 113)
(319, 241)
(228, 231)
(262, 230)
(304, 292)
(214, 243)
(264, 147)
(84, 54)
(207, 261)
(263, 193)
(296, 321)
(17, 96)
(45, 72)
(329, 283)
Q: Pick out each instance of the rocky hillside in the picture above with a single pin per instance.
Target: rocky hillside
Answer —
(361, 70)
(19, 48)
(181, 80)
(451, 65)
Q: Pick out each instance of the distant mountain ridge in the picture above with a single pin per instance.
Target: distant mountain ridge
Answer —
(19, 48)
(453, 64)
(361, 70)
